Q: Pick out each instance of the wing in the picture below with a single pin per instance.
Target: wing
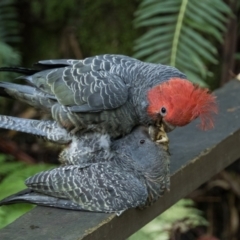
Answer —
(88, 92)
(99, 62)
(85, 85)
(98, 187)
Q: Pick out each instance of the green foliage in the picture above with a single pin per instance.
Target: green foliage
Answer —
(8, 22)
(9, 33)
(46, 9)
(8, 56)
(182, 215)
(181, 33)
(106, 27)
(14, 175)
(96, 27)
(237, 56)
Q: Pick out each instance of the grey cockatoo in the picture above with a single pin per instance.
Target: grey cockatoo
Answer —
(112, 94)
(134, 172)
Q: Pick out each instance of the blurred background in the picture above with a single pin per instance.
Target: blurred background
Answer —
(201, 38)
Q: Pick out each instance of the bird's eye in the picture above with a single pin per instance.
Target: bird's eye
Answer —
(163, 111)
(142, 141)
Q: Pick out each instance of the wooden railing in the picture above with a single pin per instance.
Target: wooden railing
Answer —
(196, 157)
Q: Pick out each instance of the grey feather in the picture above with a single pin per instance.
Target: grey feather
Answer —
(29, 196)
(81, 148)
(125, 179)
(106, 93)
(49, 130)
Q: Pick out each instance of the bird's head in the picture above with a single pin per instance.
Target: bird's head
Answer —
(178, 101)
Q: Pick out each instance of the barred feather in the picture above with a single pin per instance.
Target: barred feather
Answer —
(135, 173)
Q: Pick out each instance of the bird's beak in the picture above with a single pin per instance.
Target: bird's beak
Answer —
(159, 136)
(167, 127)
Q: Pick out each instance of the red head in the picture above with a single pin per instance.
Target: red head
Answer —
(178, 102)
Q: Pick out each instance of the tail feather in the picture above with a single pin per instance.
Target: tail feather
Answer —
(49, 130)
(39, 66)
(51, 64)
(29, 196)
(8, 86)
(25, 71)
(3, 93)
(28, 94)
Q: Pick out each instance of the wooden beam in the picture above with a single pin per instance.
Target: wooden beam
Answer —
(196, 157)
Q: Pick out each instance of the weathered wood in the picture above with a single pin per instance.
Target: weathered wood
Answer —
(196, 157)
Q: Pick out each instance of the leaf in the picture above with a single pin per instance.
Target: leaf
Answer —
(182, 212)
(9, 33)
(9, 167)
(13, 183)
(181, 33)
(2, 158)
(10, 213)
(237, 56)
(153, 41)
(155, 32)
(156, 21)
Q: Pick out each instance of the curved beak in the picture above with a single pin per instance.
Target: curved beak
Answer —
(167, 127)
